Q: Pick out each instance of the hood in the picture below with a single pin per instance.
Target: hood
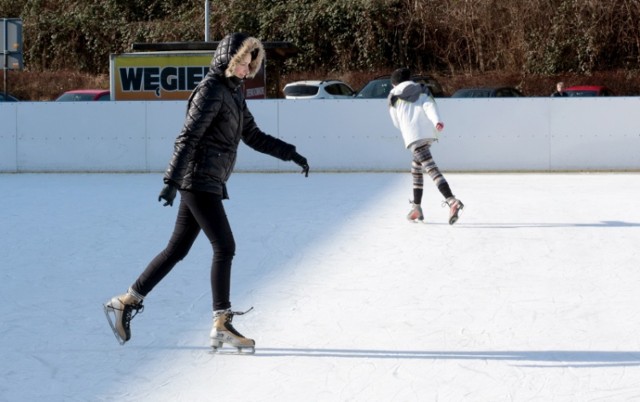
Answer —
(233, 48)
(408, 91)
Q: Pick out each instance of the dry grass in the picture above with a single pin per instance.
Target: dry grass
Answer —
(48, 85)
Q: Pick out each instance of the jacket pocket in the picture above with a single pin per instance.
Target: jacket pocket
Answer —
(218, 165)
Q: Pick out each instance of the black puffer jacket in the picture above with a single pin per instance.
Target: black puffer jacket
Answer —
(217, 119)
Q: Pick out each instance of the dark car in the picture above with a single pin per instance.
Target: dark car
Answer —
(381, 86)
(78, 95)
(487, 92)
(7, 98)
(589, 90)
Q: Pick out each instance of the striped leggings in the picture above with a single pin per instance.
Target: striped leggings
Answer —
(423, 162)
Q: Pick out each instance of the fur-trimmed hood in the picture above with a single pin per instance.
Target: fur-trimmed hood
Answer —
(233, 48)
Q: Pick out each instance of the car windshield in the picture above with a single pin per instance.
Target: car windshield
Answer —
(9, 98)
(376, 89)
(301, 90)
(339, 89)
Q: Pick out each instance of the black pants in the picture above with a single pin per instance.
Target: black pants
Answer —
(197, 211)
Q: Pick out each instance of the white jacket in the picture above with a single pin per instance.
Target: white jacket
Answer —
(414, 112)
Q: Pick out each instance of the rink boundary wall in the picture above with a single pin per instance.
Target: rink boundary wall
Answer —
(486, 135)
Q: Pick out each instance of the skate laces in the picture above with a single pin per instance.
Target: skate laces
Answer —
(229, 314)
(240, 312)
(415, 207)
(131, 311)
(232, 313)
(451, 203)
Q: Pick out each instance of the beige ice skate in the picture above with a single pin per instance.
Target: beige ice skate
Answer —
(223, 332)
(120, 310)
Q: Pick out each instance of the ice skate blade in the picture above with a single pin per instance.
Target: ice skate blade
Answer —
(217, 347)
(108, 310)
(236, 350)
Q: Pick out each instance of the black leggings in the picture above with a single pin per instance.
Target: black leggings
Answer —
(197, 210)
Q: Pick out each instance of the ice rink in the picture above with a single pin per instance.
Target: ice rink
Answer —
(532, 296)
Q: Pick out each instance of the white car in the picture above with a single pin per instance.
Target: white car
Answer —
(314, 89)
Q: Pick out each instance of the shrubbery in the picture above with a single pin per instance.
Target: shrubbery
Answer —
(451, 38)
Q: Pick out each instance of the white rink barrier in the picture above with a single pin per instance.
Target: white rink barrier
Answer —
(525, 134)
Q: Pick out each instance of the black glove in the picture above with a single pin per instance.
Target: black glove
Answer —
(168, 193)
(302, 161)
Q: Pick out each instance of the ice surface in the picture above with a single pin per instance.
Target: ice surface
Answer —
(531, 296)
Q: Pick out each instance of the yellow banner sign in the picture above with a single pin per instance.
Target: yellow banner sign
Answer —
(166, 76)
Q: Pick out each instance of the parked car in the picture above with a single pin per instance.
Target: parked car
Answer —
(487, 92)
(78, 95)
(315, 89)
(588, 90)
(7, 98)
(380, 87)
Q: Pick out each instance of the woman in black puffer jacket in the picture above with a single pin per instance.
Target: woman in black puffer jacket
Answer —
(203, 158)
